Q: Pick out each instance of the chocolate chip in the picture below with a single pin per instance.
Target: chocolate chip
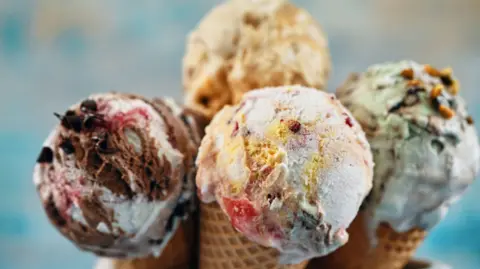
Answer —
(88, 105)
(179, 210)
(53, 213)
(155, 241)
(67, 146)
(70, 113)
(154, 185)
(452, 103)
(204, 100)
(395, 107)
(169, 226)
(89, 123)
(148, 172)
(70, 121)
(46, 155)
(436, 103)
(102, 146)
(437, 145)
(446, 80)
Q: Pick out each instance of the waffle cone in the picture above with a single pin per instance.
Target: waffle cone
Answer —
(178, 254)
(222, 247)
(393, 249)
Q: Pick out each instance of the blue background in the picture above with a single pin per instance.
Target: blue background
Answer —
(55, 52)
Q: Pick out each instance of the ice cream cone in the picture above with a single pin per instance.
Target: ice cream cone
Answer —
(392, 251)
(178, 254)
(221, 246)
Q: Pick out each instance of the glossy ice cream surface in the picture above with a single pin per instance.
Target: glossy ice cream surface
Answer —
(116, 175)
(289, 166)
(424, 143)
(246, 44)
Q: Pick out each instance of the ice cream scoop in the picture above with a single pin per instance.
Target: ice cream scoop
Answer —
(424, 143)
(242, 45)
(289, 166)
(116, 175)
(426, 153)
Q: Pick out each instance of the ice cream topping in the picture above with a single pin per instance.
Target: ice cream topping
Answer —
(246, 44)
(425, 146)
(290, 167)
(116, 175)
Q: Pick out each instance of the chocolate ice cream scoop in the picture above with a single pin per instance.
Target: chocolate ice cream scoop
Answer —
(116, 175)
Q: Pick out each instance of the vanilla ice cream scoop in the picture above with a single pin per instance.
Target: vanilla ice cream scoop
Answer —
(116, 175)
(289, 166)
(246, 44)
(424, 143)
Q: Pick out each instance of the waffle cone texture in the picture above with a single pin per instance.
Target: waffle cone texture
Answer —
(393, 249)
(178, 254)
(222, 247)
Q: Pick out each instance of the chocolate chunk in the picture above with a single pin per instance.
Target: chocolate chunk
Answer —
(148, 172)
(436, 103)
(179, 210)
(446, 80)
(46, 155)
(155, 241)
(169, 226)
(71, 121)
(470, 120)
(88, 106)
(67, 146)
(70, 113)
(53, 213)
(102, 146)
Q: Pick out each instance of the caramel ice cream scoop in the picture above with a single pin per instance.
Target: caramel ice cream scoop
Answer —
(246, 44)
